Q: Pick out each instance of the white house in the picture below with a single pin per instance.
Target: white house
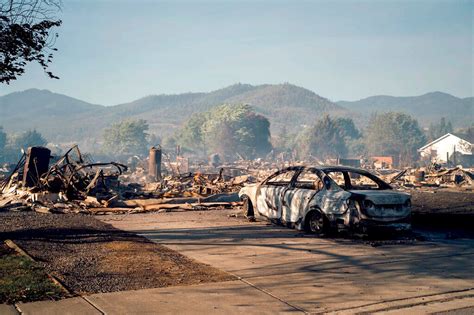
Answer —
(442, 149)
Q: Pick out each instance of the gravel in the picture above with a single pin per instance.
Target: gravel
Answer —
(89, 256)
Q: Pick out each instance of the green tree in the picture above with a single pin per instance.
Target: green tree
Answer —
(219, 138)
(394, 134)
(325, 139)
(356, 147)
(154, 139)
(170, 142)
(126, 137)
(439, 129)
(191, 136)
(284, 141)
(347, 128)
(467, 134)
(3, 139)
(3, 142)
(352, 137)
(30, 138)
(230, 130)
(15, 143)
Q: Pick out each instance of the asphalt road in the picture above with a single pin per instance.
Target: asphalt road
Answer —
(430, 274)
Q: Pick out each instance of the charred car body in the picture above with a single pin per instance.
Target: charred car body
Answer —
(323, 198)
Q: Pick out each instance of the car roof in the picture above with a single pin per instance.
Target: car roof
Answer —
(341, 168)
(329, 168)
(337, 168)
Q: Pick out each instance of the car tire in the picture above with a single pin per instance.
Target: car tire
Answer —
(316, 223)
(248, 208)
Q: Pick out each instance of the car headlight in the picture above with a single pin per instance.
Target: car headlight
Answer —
(369, 207)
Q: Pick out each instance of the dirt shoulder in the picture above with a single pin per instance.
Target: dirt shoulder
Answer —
(442, 201)
(89, 256)
(443, 213)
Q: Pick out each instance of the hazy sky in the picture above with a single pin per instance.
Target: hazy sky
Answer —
(116, 51)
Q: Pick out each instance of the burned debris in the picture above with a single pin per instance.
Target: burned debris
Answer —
(61, 186)
(73, 182)
(434, 176)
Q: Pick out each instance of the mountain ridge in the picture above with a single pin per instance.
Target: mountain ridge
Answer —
(427, 108)
(62, 118)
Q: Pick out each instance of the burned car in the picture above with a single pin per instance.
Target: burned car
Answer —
(327, 198)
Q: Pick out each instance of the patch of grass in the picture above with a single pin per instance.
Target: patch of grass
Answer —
(22, 280)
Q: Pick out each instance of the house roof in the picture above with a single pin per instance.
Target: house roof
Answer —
(386, 159)
(439, 139)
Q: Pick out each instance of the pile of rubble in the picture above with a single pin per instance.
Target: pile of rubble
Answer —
(64, 186)
(431, 177)
(74, 183)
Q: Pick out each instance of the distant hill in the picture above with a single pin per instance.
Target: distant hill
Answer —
(61, 118)
(427, 108)
(277, 102)
(64, 119)
(52, 114)
(288, 105)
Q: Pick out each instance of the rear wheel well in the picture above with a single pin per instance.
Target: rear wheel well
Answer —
(247, 206)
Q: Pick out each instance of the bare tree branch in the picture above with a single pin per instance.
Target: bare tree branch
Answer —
(26, 35)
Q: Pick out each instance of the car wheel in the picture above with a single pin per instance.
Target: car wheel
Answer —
(248, 208)
(316, 223)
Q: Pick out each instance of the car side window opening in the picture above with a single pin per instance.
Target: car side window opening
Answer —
(282, 178)
(338, 178)
(362, 182)
(356, 181)
(308, 179)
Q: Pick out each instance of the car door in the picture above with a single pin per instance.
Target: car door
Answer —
(269, 198)
(299, 194)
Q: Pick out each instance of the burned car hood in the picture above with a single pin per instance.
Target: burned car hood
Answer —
(381, 197)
